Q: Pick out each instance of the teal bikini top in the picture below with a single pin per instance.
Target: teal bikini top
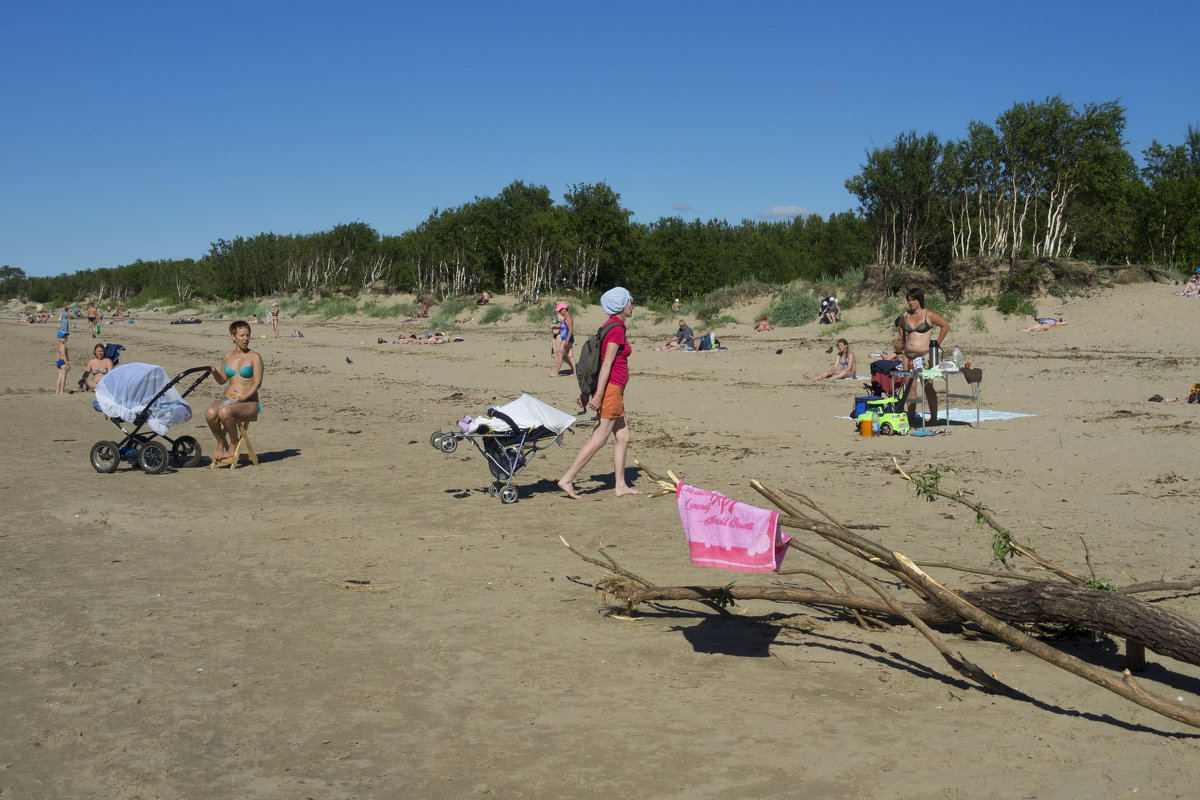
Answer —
(245, 372)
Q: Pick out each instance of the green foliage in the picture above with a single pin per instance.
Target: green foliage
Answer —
(706, 311)
(793, 308)
(494, 313)
(383, 310)
(541, 313)
(978, 324)
(721, 321)
(242, 309)
(333, 307)
(1010, 303)
(890, 308)
(927, 481)
(743, 292)
(299, 306)
(722, 596)
(454, 305)
(940, 305)
(1056, 290)
(1093, 582)
(1026, 279)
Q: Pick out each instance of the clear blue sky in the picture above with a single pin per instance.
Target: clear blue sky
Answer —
(151, 129)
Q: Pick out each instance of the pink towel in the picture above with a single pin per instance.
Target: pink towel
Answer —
(727, 534)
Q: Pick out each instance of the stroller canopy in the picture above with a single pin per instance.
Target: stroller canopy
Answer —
(529, 412)
(127, 390)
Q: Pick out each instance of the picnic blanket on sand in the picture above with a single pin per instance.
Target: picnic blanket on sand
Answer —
(985, 415)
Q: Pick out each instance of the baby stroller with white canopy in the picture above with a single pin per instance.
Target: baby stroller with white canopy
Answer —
(508, 436)
(141, 395)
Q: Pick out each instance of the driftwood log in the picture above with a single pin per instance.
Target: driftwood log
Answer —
(1041, 603)
(1070, 602)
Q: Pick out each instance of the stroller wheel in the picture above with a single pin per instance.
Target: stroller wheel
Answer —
(152, 458)
(494, 490)
(435, 437)
(186, 451)
(105, 457)
(508, 495)
(447, 444)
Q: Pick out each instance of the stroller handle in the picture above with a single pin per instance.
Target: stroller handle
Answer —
(496, 413)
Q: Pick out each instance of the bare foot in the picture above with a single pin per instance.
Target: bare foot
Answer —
(569, 488)
(621, 491)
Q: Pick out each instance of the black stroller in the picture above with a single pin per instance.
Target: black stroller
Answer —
(508, 436)
(141, 395)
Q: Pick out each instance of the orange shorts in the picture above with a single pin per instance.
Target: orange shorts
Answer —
(613, 404)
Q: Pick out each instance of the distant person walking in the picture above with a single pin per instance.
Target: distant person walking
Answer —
(93, 318)
(609, 399)
(564, 340)
(275, 318)
(64, 320)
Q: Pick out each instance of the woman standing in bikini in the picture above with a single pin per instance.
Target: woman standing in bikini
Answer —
(916, 329)
(242, 369)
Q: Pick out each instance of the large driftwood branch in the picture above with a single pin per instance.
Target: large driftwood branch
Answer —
(1045, 603)
(1126, 686)
(1099, 610)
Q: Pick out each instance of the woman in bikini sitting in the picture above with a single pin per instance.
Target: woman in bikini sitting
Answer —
(1045, 324)
(915, 327)
(843, 366)
(95, 369)
(242, 369)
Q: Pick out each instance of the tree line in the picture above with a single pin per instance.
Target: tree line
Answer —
(1045, 180)
(520, 242)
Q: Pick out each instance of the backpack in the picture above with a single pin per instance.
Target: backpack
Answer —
(591, 356)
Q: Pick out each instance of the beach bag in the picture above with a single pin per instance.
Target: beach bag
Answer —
(591, 356)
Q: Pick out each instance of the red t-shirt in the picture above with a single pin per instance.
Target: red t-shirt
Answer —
(619, 375)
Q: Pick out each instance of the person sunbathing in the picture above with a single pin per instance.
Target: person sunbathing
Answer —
(763, 325)
(1045, 324)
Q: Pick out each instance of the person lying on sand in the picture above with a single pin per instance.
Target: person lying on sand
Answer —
(763, 325)
(1045, 324)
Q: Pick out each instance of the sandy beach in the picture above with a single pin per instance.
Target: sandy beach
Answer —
(357, 617)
